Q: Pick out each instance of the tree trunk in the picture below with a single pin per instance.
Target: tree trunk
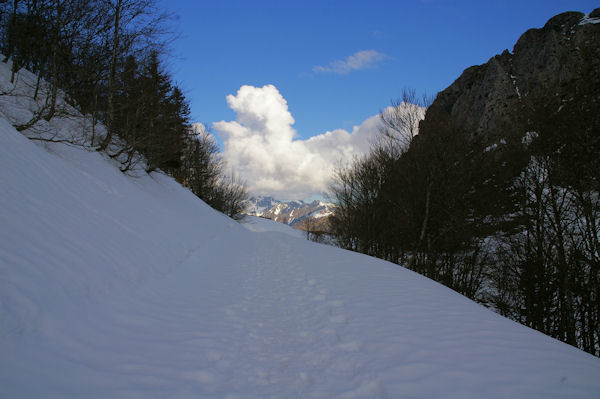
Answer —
(567, 329)
(110, 114)
(419, 244)
(11, 43)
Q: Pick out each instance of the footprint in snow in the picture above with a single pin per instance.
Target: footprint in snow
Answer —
(340, 319)
(337, 303)
(352, 346)
(213, 355)
(306, 377)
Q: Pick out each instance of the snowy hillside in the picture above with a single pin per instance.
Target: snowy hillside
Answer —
(130, 287)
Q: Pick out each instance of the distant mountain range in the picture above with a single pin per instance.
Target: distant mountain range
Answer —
(311, 216)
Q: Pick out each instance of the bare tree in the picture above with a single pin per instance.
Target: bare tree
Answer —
(400, 121)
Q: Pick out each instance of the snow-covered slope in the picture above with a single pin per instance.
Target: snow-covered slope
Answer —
(261, 225)
(121, 287)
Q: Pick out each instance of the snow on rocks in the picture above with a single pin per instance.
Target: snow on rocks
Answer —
(587, 19)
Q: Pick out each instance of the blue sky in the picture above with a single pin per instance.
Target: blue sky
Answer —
(302, 48)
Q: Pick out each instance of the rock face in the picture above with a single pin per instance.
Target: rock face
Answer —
(560, 60)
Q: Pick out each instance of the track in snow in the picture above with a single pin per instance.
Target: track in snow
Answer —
(296, 338)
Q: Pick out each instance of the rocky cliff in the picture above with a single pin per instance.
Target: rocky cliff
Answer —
(555, 64)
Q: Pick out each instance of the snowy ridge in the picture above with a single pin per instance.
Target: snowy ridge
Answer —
(259, 205)
(130, 287)
(297, 214)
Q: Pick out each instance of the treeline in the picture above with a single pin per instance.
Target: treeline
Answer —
(512, 221)
(105, 58)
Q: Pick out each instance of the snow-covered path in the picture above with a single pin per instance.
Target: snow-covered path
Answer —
(283, 318)
(296, 343)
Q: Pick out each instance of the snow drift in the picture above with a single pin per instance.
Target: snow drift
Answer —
(130, 287)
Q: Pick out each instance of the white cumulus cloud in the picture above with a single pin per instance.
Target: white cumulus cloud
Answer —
(259, 146)
(363, 59)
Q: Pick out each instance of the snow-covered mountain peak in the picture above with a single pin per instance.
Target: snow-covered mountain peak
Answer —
(298, 214)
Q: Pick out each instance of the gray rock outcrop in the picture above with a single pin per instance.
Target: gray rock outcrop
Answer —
(554, 64)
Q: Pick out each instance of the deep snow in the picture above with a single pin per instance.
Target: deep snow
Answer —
(130, 287)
